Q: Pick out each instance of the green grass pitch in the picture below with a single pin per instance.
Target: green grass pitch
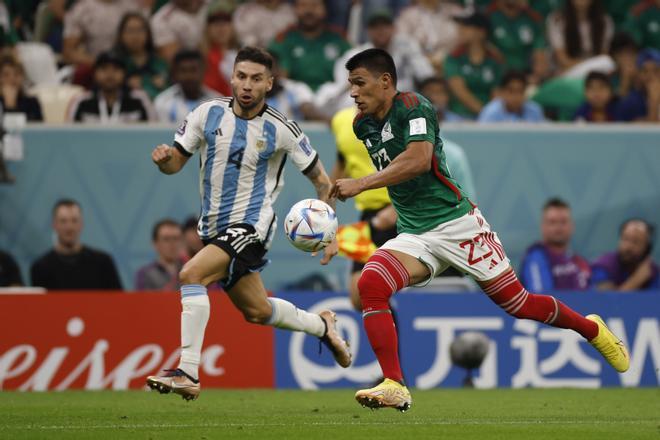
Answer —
(564, 414)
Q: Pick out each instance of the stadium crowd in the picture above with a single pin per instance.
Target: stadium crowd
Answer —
(114, 61)
(126, 61)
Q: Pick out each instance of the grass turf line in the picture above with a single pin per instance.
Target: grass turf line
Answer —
(260, 414)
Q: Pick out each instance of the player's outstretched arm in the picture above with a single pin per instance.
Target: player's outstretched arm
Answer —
(168, 159)
(411, 163)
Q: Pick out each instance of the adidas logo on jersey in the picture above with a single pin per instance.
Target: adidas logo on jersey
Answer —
(217, 132)
(386, 133)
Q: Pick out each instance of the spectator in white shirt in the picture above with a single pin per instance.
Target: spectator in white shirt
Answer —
(412, 66)
(178, 25)
(257, 22)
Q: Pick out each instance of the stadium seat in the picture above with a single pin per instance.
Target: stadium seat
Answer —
(39, 63)
(55, 100)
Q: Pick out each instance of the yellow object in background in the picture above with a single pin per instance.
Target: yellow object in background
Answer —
(354, 241)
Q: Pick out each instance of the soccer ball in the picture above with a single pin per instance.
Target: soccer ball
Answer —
(310, 225)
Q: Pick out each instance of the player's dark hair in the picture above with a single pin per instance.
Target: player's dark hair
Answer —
(555, 202)
(376, 61)
(430, 81)
(65, 202)
(513, 75)
(255, 55)
(160, 224)
(187, 55)
(597, 76)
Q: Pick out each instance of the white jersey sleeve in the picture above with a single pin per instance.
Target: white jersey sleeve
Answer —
(190, 134)
(298, 147)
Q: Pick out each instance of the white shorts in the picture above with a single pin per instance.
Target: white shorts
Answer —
(466, 243)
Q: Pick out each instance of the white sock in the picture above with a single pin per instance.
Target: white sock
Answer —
(289, 317)
(194, 316)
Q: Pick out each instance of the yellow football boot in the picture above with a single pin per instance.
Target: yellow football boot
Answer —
(387, 394)
(611, 347)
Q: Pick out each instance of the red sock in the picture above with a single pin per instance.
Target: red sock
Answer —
(381, 277)
(507, 292)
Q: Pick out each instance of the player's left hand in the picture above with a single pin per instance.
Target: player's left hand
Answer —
(346, 188)
(329, 252)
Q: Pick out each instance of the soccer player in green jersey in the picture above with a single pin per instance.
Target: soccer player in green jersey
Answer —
(438, 227)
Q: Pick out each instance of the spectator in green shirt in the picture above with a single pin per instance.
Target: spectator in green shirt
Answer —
(644, 23)
(518, 33)
(144, 69)
(308, 51)
(474, 69)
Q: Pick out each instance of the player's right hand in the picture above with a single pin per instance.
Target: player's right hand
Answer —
(161, 154)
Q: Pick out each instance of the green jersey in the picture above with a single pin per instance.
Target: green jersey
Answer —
(429, 199)
(644, 24)
(480, 78)
(517, 37)
(311, 61)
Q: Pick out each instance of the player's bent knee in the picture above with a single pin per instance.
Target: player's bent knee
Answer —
(189, 274)
(256, 315)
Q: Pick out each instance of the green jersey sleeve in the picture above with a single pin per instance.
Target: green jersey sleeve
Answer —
(419, 123)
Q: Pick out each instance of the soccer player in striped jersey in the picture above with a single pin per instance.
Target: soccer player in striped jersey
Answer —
(243, 144)
(438, 227)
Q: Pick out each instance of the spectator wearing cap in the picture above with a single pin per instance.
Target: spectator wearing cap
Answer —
(580, 30)
(308, 52)
(623, 51)
(258, 22)
(643, 101)
(90, 28)
(430, 23)
(163, 273)
(187, 92)
(145, 70)
(511, 104)
(178, 25)
(518, 32)
(643, 23)
(600, 104)
(110, 102)
(474, 69)
(412, 66)
(220, 49)
(436, 90)
(13, 98)
(631, 266)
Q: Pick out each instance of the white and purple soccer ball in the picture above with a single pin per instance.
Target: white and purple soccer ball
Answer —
(310, 225)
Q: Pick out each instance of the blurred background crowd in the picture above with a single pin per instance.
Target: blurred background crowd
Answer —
(147, 61)
(477, 60)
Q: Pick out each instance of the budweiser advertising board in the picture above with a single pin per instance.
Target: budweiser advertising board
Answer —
(100, 340)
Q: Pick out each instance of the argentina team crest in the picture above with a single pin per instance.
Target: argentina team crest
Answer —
(261, 144)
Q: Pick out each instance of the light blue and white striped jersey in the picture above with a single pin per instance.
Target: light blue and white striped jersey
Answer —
(241, 163)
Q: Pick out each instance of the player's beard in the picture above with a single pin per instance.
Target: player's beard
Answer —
(256, 102)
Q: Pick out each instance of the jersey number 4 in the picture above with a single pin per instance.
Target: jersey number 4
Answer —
(381, 159)
(236, 158)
